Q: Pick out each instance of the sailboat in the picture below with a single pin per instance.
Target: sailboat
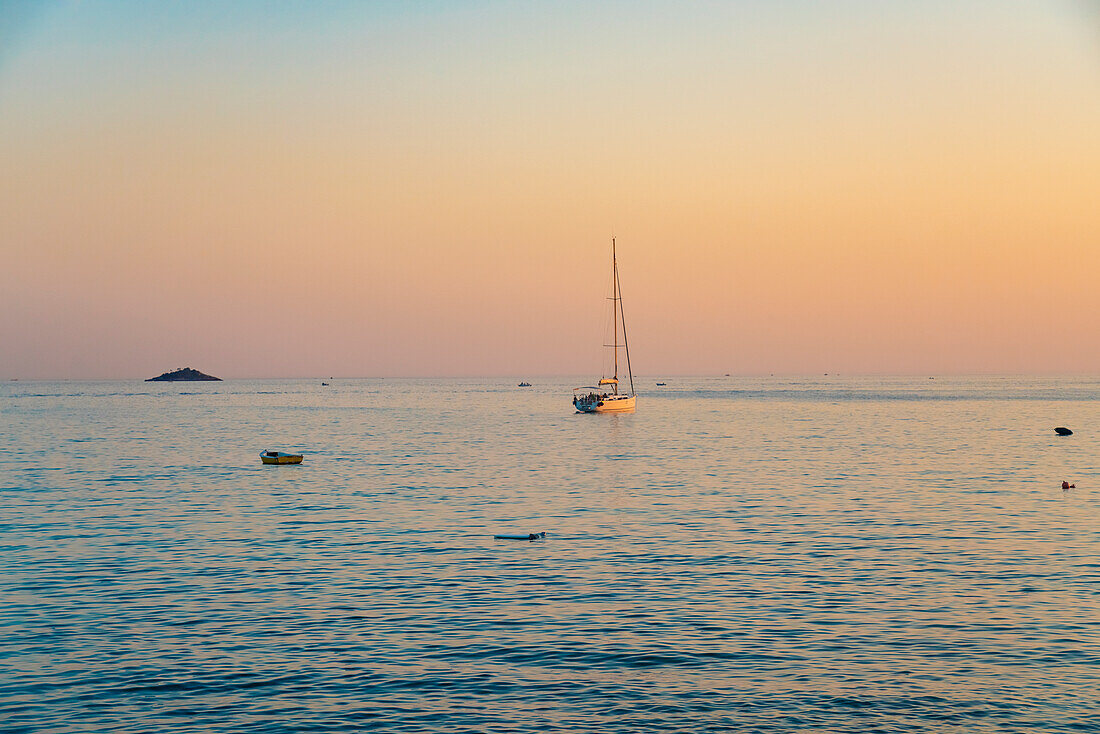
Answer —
(605, 397)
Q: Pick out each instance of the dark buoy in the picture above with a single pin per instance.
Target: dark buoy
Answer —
(1067, 485)
(1063, 431)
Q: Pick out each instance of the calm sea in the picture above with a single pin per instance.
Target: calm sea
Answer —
(766, 555)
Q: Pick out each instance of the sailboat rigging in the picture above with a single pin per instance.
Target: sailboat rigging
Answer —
(605, 397)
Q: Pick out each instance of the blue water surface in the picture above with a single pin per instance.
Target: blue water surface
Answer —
(767, 555)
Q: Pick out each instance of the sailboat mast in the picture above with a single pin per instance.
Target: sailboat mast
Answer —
(615, 310)
(626, 342)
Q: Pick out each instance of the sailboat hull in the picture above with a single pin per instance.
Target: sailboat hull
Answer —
(610, 404)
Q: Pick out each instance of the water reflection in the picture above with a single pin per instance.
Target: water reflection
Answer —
(767, 555)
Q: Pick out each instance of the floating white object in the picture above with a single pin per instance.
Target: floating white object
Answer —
(519, 536)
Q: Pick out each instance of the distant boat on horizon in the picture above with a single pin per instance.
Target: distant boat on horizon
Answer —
(598, 399)
(524, 384)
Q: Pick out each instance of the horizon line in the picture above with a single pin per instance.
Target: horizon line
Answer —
(667, 375)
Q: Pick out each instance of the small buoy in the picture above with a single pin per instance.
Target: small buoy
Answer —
(519, 536)
(1063, 431)
(1067, 485)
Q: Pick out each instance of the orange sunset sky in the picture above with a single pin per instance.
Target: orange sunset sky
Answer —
(430, 188)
